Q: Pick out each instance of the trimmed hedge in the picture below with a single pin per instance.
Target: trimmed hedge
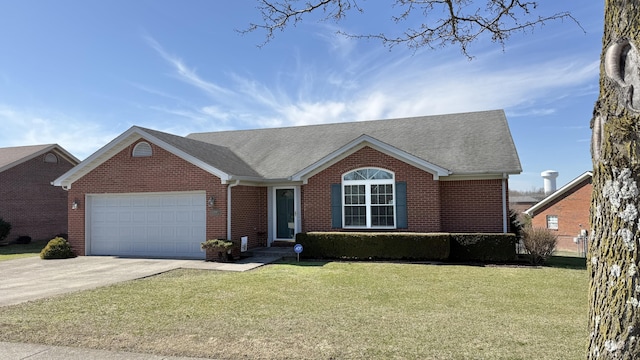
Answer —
(374, 246)
(408, 246)
(483, 247)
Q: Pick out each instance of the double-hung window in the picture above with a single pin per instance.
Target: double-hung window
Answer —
(368, 199)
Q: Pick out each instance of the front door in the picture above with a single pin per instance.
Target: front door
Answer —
(285, 214)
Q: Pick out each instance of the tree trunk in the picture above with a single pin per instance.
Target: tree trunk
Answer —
(614, 294)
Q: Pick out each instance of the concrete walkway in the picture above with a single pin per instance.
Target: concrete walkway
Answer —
(27, 279)
(16, 351)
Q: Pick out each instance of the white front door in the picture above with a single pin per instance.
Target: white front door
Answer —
(166, 225)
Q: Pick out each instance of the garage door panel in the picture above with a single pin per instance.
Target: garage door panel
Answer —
(198, 216)
(152, 225)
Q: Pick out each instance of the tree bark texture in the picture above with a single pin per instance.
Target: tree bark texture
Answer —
(614, 293)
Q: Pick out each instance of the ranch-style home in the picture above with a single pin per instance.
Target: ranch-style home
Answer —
(152, 194)
(27, 200)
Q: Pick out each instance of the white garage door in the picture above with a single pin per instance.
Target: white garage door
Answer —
(168, 225)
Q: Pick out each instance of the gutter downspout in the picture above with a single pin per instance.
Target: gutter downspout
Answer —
(229, 208)
(505, 224)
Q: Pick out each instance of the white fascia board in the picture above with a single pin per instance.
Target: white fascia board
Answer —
(532, 210)
(366, 140)
(121, 142)
(94, 160)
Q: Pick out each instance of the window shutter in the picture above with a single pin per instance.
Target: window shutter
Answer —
(336, 205)
(401, 205)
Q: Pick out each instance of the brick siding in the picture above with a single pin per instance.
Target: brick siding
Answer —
(423, 196)
(472, 206)
(249, 214)
(30, 203)
(162, 172)
(572, 209)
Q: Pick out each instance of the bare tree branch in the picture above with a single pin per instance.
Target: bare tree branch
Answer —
(442, 22)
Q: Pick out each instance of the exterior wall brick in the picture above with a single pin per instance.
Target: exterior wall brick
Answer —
(472, 206)
(572, 209)
(162, 172)
(249, 215)
(423, 195)
(30, 203)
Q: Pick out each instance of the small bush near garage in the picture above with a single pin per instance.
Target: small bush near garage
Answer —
(57, 248)
(539, 243)
(483, 247)
(5, 228)
(374, 246)
(219, 250)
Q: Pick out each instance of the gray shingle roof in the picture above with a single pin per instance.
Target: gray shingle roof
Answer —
(11, 155)
(465, 143)
(217, 156)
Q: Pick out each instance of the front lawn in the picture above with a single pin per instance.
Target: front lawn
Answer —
(16, 251)
(334, 310)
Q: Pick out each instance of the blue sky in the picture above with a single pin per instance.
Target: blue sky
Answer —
(79, 73)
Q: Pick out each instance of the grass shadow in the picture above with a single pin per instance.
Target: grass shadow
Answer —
(567, 262)
(14, 251)
(305, 263)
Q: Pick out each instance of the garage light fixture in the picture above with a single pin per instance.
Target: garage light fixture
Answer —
(74, 205)
(211, 201)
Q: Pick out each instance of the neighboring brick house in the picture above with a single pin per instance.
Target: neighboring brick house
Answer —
(521, 203)
(566, 213)
(28, 200)
(149, 193)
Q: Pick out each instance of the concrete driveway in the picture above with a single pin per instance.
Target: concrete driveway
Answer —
(27, 279)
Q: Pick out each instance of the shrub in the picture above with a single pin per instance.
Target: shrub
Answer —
(373, 246)
(483, 247)
(5, 228)
(57, 248)
(23, 239)
(216, 243)
(539, 243)
(218, 250)
(516, 224)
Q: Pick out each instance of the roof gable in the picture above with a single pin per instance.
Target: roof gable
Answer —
(214, 159)
(571, 187)
(358, 144)
(12, 156)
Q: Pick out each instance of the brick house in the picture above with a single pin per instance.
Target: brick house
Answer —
(566, 212)
(149, 193)
(28, 201)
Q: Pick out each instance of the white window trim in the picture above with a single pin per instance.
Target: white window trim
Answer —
(556, 222)
(274, 210)
(367, 203)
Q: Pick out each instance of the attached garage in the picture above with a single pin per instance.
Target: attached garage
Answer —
(163, 225)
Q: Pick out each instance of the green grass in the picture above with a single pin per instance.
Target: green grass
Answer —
(17, 251)
(334, 310)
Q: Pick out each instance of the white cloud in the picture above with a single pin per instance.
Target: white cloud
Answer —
(381, 84)
(25, 127)
(186, 74)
